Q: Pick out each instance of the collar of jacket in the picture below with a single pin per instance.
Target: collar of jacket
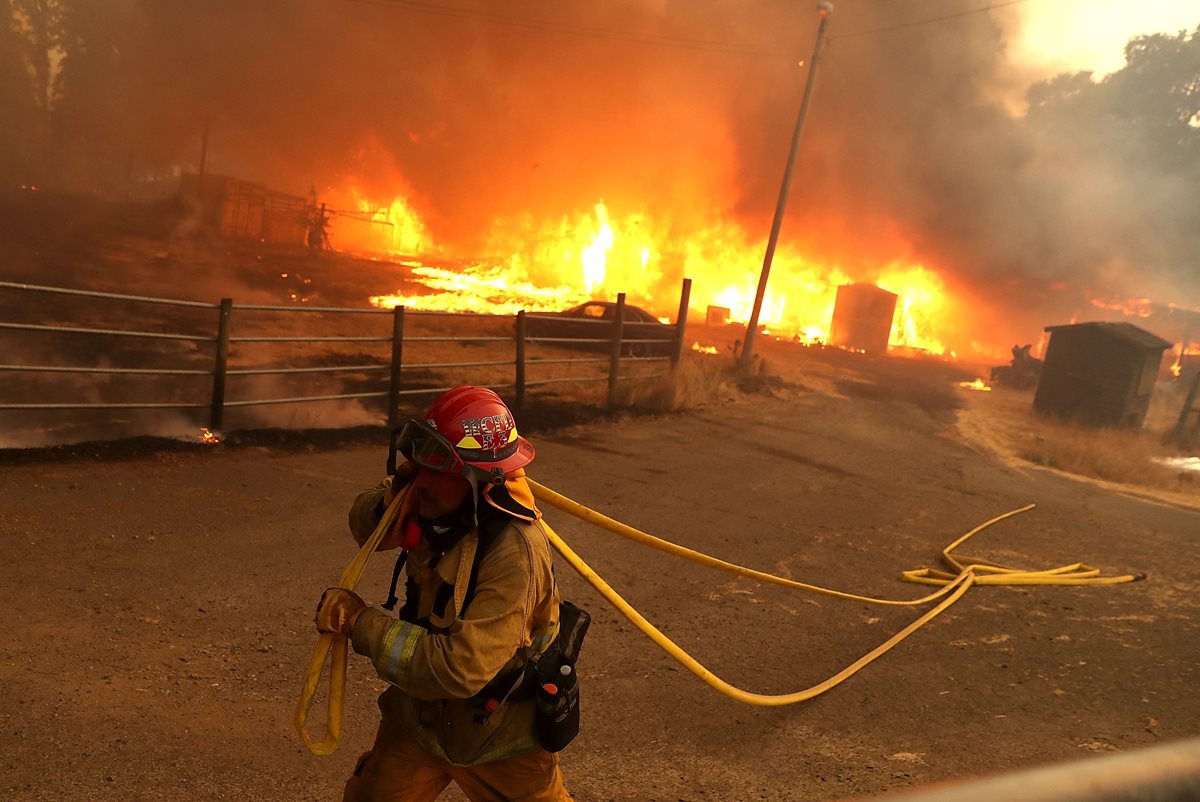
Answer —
(514, 497)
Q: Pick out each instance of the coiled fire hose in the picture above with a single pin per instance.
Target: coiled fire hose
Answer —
(340, 646)
(952, 587)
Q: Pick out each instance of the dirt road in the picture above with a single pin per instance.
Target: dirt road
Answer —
(157, 611)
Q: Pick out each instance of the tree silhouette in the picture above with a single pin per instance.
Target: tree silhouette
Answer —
(1150, 109)
(1128, 148)
(90, 119)
(17, 107)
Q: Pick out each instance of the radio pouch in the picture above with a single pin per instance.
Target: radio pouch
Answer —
(557, 692)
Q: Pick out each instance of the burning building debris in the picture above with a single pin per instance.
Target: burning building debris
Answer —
(1022, 372)
(243, 210)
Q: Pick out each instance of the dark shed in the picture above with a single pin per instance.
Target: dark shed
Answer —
(1099, 373)
(862, 318)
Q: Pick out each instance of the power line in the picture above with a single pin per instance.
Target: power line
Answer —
(575, 30)
(929, 21)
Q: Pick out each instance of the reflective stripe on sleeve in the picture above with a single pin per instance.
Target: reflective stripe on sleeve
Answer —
(542, 639)
(395, 656)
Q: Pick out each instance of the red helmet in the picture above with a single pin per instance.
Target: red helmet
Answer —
(467, 427)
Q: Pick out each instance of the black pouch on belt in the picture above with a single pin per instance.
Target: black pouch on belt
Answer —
(557, 718)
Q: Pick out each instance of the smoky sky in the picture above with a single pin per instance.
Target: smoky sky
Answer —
(680, 109)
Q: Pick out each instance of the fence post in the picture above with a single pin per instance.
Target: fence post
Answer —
(614, 357)
(685, 296)
(520, 377)
(216, 416)
(397, 360)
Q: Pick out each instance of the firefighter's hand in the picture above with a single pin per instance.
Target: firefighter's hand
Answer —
(337, 611)
(403, 477)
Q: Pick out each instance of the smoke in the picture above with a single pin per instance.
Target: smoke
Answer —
(912, 148)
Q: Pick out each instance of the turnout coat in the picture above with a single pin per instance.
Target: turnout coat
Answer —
(445, 648)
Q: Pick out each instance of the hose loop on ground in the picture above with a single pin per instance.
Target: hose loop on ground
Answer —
(952, 587)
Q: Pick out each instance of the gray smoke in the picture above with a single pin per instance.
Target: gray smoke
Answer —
(496, 110)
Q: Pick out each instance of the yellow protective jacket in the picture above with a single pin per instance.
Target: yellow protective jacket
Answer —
(435, 671)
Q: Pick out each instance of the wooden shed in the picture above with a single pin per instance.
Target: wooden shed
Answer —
(244, 210)
(1099, 373)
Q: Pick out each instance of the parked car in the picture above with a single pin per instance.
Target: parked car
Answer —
(593, 321)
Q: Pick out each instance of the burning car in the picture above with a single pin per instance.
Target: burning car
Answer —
(590, 324)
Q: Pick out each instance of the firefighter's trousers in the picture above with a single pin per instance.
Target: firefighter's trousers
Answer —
(397, 769)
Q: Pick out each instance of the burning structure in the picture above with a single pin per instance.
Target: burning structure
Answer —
(862, 318)
(244, 210)
(1101, 374)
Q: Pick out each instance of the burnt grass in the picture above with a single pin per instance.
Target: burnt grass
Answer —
(927, 384)
(539, 417)
(924, 382)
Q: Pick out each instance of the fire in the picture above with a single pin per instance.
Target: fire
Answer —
(208, 436)
(1184, 354)
(1132, 307)
(357, 223)
(704, 349)
(479, 287)
(595, 255)
(921, 299)
(978, 384)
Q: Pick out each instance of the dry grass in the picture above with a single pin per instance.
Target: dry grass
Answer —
(1113, 455)
(1004, 422)
(698, 381)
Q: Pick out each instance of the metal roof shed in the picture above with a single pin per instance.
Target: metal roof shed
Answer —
(1099, 373)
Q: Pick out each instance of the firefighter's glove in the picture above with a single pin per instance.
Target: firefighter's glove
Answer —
(393, 484)
(337, 611)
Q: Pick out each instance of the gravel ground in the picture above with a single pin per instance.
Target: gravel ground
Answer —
(157, 608)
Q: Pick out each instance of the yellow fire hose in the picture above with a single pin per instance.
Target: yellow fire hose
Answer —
(976, 572)
(953, 586)
(340, 647)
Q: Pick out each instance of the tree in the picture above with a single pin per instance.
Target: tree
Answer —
(1124, 153)
(39, 27)
(1150, 108)
(17, 107)
(90, 122)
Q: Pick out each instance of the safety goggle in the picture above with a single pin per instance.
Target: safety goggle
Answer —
(425, 446)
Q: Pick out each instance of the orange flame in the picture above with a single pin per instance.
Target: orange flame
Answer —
(978, 384)
(920, 302)
(357, 223)
(558, 264)
(1132, 307)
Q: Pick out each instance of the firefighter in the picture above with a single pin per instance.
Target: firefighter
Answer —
(480, 603)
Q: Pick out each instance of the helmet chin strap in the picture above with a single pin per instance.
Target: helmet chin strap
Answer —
(493, 476)
(477, 478)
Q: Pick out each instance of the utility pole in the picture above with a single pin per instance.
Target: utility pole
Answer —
(824, 9)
